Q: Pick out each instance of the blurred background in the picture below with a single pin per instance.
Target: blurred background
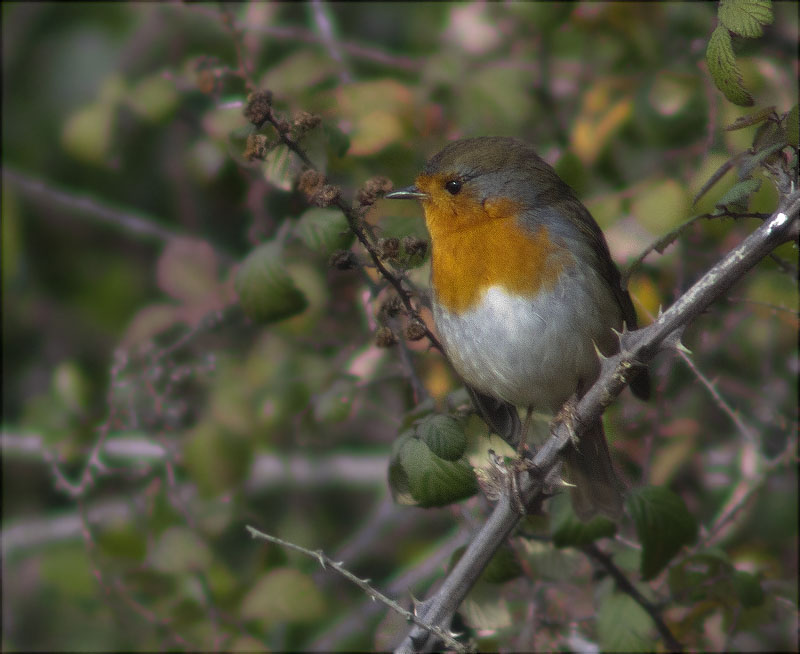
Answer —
(147, 419)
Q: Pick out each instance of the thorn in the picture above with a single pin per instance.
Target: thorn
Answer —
(321, 558)
(660, 311)
(600, 355)
(674, 341)
(565, 483)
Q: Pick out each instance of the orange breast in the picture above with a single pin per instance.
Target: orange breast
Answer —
(476, 246)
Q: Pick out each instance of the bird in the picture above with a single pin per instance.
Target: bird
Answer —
(525, 296)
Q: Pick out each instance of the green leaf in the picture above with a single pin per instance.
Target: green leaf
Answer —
(399, 484)
(494, 95)
(283, 595)
(689, 582)
(338, 141)
(486, 610)
(710, 577)
(433, 481)
(444, 435)
(179, 549)
(71, 386)
(266, 291)
(663, 525)
(216, 459)
(550, 563)
(123, 540)
(87, 134)
(624, 626)
(297, 73)
(739, 193)
(281, 167)
(569, 531)
(661, 205)
(745, 17)
(722, 66)
(748, 589)
(153, 98)
(67, 568)
(503, 567)
(324, 230)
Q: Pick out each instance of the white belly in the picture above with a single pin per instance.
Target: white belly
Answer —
(532, 352)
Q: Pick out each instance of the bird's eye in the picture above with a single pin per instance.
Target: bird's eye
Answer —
(453, 186)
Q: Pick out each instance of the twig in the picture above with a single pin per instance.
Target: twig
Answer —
(663, 242)
(745, 490)
(431, 562)
(364, 585)
(775, 307)
(637, 348)
(721, 402)
(717, 175)
(301, 35)
(128, 221)
(322, 19)
(628, 588)
(784, 265)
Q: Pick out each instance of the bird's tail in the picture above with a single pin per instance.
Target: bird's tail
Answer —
(588, 466)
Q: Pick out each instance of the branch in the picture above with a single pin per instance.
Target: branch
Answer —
(128, 221)
(301, 35)
(431, 562)
(625, 585)
(326, 562)
(637, 348)
(663, 242)
(324, 23)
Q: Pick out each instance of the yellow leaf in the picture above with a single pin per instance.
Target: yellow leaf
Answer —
(645, 293)
(605, 109)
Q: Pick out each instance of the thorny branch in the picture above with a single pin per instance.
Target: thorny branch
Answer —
(326, 562)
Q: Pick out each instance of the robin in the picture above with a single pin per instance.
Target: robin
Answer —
(524, 294)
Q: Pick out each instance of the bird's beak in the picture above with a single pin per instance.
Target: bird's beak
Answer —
(407, 193)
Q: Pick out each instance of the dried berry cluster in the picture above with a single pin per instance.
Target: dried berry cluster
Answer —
(311, 183)
(373, 189)
(258, 109)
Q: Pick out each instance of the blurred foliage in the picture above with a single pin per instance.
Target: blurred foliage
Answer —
(148, 415)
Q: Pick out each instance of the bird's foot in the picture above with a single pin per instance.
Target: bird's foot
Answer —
(507, 476)
(567, 417)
